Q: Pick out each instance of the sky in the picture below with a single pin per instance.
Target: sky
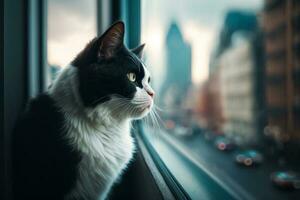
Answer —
(72, 24)
(200, 22)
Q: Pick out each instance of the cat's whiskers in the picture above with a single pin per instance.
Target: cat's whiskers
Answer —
(124, 106)
(153, 120)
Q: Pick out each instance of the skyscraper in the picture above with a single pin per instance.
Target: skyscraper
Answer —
(178, 60)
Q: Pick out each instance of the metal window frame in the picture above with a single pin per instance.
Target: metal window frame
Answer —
(109, 11)
(177, 191)
(24, 71)
(38, 72)
(15, 89)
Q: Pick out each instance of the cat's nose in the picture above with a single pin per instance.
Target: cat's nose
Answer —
(151, 93)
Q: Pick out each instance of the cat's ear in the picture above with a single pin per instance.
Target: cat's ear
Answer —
(138, 51)
(111, 41)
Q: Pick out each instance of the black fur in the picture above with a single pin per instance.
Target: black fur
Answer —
(100, 76)
(44, 165)
(105, 77)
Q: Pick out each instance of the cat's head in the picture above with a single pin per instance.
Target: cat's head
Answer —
(111, 74)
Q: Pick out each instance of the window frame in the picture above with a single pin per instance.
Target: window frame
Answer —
(129, 11)
(24, 72)
(38, 72)
(173, 185)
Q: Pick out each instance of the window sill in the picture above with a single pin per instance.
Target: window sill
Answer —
(191, 179)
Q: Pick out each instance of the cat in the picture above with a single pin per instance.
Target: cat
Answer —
(73, 141)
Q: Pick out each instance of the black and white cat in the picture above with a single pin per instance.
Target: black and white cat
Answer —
(74, 140)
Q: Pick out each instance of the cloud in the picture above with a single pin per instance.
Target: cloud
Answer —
(69, 16)
(71, 24)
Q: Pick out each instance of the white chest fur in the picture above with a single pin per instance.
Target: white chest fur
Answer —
(106, 152)
(104, 141)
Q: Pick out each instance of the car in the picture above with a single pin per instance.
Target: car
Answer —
(249, 158)
(224, 144)
(183, 131)
(286, 179)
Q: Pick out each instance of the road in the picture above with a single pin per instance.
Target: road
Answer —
(246, 182)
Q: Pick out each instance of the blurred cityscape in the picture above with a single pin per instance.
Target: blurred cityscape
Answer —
(252, 95)
(249, 106)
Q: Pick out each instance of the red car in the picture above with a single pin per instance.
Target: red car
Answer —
(224, 144)
(286, 179)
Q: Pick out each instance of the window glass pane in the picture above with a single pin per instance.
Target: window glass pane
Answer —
(71, 25)
(226, 77)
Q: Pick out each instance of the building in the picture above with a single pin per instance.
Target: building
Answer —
(178, 72)
(235, 20)
(207, 108)
(240, 86)
(239, 63)
(281, 22)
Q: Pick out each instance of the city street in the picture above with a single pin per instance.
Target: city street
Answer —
(249, 182)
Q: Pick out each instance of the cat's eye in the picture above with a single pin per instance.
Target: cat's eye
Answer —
(131, 76)
(149, 80)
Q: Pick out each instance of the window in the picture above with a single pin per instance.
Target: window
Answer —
(225, 74)
(67, 37)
